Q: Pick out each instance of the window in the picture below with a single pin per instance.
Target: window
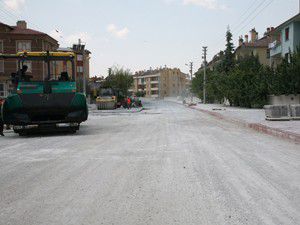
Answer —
(23, 46)
(1, 66)
(79, 69)
(2, 90)
(287, 34)
(79, 58)
(268, 53)
(1, 46)
(1, 61)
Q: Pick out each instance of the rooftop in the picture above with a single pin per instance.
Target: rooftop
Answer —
(21, 28)
(153, 71)
(296, 18)
(260, 43)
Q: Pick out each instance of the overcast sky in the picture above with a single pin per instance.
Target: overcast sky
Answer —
(139, 34)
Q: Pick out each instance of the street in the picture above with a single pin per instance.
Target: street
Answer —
(165, 165)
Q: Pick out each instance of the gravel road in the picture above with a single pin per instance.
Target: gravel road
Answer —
(167, 165)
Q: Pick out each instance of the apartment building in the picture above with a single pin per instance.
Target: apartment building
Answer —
(285, 40)
(18, 38)
(160, 83)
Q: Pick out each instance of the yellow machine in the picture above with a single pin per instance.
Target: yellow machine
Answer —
(107, 100)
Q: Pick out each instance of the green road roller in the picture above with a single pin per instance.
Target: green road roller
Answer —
(52, 103)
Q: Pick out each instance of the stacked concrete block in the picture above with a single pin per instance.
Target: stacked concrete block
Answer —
(277, 112)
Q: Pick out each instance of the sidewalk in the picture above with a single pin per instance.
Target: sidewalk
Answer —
(252, 118)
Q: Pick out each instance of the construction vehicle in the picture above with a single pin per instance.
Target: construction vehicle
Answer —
(49, 104)
(107, 100)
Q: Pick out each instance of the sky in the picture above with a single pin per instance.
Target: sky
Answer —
(139, 34)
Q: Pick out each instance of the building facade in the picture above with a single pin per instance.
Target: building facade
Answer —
(257, 47)
(18, 38)
(160, 83)
(285, 40)
(82, 64)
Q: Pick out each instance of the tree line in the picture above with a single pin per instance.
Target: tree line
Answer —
(245, 82)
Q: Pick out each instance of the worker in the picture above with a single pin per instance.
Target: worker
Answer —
(64, 76)
(128, 102)
(22, 72)
(22, 76)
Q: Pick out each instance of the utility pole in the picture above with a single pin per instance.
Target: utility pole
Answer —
(81, 50)
(204, 78)
(191, 66)
(191, 69)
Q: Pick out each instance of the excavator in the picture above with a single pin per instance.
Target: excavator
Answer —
(50, 104)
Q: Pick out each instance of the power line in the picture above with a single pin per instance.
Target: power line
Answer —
(247, 10)
(250, 13)
(251, 18)
(6, 10)
(14, 15)
(7, 15)
(259, 5)
(256, 15)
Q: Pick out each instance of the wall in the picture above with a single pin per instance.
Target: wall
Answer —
(260, 52)
(284, 100)
(296, 35)
(262, 56)
(287, 46)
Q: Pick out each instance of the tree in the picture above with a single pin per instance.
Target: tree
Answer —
(213, 84)
(228, 60)
(247, 84)
(286, 78)
(120, 80)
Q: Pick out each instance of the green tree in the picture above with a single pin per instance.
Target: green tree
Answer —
(120, 80)
(228, 59)
(247, 84)
(287, 76)
(213, 91)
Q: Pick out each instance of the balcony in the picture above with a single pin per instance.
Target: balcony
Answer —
(275, 48)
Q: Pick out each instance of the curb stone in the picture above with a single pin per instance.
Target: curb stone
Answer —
(255, 126)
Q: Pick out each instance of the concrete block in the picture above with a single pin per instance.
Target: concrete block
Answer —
(277, 112)
(295, 112)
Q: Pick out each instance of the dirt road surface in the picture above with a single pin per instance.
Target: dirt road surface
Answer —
(166, 165)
